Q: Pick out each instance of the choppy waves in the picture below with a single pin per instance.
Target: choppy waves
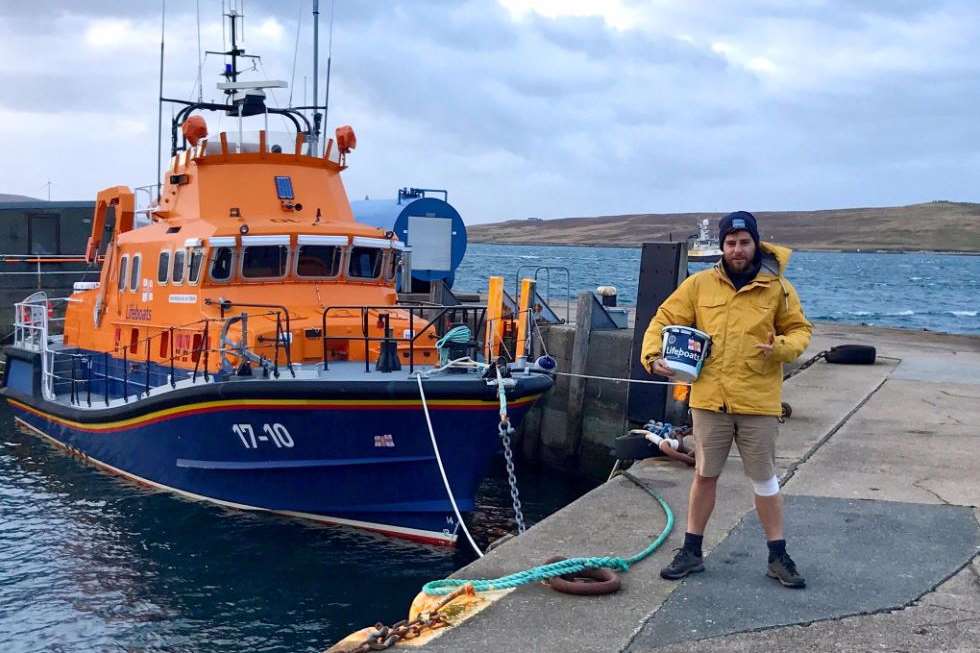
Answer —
(938, 292)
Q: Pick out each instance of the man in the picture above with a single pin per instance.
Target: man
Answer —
(756, 324)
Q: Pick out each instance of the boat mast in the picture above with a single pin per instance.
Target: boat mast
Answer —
(326, 100)
(163, 16)
(316, 75)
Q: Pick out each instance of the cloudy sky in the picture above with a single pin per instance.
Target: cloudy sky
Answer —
(525, 108)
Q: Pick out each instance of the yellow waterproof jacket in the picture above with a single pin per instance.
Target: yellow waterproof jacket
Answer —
(736, 376)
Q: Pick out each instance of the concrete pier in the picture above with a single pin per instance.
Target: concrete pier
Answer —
(879, 466)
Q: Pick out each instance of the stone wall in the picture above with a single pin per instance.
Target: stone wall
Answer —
(546, 436)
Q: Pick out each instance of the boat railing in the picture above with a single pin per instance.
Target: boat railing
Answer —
(473, 315)
(147, 198)
(36, 324)
(547, 270)
(282, 341)
(81, 375)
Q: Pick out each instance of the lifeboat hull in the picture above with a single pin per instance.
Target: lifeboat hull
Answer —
(356, 454)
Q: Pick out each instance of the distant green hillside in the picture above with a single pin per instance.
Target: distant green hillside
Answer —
(943, 226)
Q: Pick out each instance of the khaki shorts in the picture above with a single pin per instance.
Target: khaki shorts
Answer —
(755, 436)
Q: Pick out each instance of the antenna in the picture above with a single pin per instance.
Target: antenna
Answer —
(326, 100)
(200, 64)
(316, 74)
(292, 76)
(234, 13)
(163, 18)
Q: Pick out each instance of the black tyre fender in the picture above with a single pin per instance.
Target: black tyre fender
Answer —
(852, 355)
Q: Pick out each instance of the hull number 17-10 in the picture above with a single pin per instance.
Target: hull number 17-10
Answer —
(275, 433)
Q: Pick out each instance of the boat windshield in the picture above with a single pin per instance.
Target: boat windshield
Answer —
(365, 262)
(264, 261)
(318, 260)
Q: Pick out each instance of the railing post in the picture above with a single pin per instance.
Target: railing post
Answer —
(207, 347)
(105, 376)
(173, 381)
(148, 366)
(88, 380)
(275, 349)
(364, 331)
(73, 394)
(323, 335)
(125, 375)
(411, 340)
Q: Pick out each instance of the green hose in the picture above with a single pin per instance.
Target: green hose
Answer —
(562, 567)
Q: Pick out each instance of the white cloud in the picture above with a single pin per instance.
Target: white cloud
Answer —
(530, 107)
(615, 13)
(113, 34)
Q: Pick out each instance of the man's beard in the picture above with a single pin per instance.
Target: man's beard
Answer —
(738, 265)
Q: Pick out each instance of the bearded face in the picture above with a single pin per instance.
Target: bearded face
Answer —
(738, 251)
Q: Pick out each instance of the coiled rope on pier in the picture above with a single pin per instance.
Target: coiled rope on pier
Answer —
(562, 567)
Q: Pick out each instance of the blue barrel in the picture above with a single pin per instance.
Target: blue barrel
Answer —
(429, 225)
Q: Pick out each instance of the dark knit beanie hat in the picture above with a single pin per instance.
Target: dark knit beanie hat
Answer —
(738, 221)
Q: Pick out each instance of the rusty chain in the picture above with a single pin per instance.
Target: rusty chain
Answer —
(384, 637)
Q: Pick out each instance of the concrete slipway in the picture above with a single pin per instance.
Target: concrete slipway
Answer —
(880, 468)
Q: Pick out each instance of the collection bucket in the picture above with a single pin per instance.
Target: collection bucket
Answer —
(685, 350)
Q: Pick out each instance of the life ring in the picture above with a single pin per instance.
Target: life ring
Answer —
(588, 582)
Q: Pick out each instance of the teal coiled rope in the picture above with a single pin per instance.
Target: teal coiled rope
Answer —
(459, 334)
(562, 567)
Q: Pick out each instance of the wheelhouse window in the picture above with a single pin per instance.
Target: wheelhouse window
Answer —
(163, 267)
(319, 256)
(365, 262)
(221, 263)
(318, 260)
(264, 257)
(177, 276)
(194, 265)
(123, 265)
(134, 275)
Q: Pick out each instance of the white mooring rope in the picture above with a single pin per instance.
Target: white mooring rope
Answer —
(442, 470)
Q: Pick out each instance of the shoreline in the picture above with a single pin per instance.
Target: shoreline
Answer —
(834, 250)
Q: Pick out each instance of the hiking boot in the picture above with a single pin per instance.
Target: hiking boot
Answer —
(783, 569)
(684, 563)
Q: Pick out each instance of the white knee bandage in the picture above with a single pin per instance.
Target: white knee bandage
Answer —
(766, 488)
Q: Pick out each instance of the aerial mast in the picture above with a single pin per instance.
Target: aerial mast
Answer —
(315, 136)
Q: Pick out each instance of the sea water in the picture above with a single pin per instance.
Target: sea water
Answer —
(90, 562)
(915, 290)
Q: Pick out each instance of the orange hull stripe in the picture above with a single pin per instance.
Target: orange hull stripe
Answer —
(266, 404)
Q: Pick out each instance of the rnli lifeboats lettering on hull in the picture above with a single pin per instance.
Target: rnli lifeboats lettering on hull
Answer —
(183, 299)
(138, 314)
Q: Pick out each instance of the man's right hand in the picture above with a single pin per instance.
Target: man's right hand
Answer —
(660, 368)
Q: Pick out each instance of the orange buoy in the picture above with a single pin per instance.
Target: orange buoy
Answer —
(194, 129)
(346, 140)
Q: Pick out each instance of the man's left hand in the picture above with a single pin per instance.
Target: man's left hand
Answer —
(766, 347)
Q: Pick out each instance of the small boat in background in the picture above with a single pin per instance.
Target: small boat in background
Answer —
(244, 343)
(703, 247)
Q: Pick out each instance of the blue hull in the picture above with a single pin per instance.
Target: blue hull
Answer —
(363, 460)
